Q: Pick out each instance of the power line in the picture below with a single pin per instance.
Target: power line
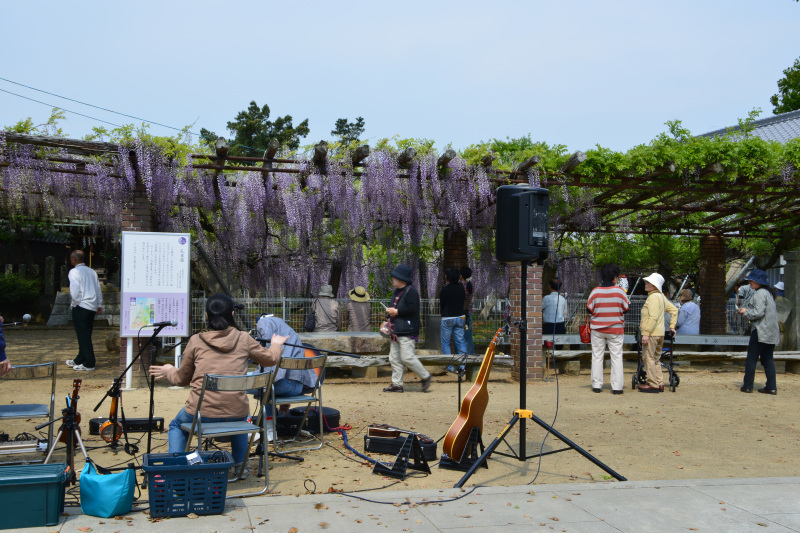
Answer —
(61, 108)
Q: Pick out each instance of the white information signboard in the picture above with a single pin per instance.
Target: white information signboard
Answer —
(155, 283)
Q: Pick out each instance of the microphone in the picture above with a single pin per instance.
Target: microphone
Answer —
(163, 324)
(25, 319)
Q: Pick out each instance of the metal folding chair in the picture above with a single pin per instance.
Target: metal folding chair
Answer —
(26, 411)
(311, 399)
(217, 383)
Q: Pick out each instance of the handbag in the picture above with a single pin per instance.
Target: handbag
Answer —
(386, 328)
(106, 495)
(585, 331)
(311, 320)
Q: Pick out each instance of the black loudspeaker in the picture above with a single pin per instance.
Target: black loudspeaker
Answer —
(521, 223)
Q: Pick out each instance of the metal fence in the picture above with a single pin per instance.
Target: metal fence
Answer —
(485, 324)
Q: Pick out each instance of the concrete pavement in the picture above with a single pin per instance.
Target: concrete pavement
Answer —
(718, 505)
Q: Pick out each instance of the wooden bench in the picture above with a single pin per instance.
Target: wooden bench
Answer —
(367, 365)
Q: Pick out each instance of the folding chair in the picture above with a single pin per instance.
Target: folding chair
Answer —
(313, 398)
(217, 383)
(26, 411)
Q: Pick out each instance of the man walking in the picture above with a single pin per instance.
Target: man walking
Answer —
(87, 301)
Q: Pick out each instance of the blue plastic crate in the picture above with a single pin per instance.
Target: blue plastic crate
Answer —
(178, 488)
(31, 495)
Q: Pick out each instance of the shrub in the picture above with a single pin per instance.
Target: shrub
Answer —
(18, 295)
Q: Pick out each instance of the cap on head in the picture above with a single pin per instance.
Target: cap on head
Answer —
(759, 276)
(402, 272)
(656, 280)
(359, 294)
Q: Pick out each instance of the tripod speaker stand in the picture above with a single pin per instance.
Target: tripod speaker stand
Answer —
(522, 414)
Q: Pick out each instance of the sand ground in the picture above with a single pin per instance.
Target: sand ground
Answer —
(706, 429)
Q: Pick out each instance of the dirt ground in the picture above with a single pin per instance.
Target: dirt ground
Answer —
(706, 429)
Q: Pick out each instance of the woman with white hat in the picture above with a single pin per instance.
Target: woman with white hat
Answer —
(358, 310)
(653, 328)
(765, 335)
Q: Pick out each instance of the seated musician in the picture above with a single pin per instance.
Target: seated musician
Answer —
(287, 382)
(224, 350)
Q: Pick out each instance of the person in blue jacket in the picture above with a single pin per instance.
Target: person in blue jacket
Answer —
(688, 315)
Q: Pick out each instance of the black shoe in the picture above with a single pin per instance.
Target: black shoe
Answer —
(426, 384)
(393, 388)
(746, 389)
(768, 391)
(616, 392)
(596, 390)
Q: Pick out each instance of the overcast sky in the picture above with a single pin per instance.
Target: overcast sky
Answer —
(577, 73)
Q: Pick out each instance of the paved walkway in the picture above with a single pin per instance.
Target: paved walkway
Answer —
(719, 505)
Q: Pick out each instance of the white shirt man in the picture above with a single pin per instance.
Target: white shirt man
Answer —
(87, 301)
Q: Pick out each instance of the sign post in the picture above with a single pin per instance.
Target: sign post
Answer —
(155, 286)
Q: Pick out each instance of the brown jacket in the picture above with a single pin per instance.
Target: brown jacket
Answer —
(227, 353)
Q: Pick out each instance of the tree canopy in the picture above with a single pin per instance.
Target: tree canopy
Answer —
(788, 96)
(252, 129)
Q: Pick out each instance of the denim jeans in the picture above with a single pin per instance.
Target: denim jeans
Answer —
(177, 437)
(755, 350)
(468, 341)
(285, 387)
(453, 327)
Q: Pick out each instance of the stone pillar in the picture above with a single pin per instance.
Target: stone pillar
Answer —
(791, 280)
(455, 248)
(50, 276)
(713, 318)
(533, 340)
(9, 270)
(64, 276)
(23, 271)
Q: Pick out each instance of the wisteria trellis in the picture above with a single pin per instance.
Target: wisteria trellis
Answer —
(287, 227)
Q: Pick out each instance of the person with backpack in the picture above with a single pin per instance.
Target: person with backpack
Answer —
(760, 310)
(653, 329)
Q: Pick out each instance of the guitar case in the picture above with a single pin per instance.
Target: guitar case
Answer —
(394, 445)
(286, 425)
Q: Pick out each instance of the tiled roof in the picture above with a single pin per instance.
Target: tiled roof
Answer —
(781, 128)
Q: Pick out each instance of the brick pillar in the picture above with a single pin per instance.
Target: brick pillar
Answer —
(713, 319)
(533, 342)
(455, 248)
(136, 216)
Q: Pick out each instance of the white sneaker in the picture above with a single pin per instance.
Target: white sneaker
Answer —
(82, 368)
(70, 362)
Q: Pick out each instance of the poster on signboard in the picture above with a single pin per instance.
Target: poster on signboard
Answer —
(155, 283)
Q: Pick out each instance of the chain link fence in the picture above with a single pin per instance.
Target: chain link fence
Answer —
(485, 323)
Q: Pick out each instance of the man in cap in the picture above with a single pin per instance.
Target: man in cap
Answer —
(760, 310)
(653, 329)
(326, 310)
(405, 324)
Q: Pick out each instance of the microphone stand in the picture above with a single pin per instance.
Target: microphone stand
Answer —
(115, 389)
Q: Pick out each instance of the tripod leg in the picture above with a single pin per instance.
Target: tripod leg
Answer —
(575, 447)
(83, 448)
(487, 452)
(53, 447)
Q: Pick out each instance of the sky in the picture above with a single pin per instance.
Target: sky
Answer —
(572, 72)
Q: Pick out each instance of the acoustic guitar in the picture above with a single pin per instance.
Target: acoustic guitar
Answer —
(472, 407)
(73, 404)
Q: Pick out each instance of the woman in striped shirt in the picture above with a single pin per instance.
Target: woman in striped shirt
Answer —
(607, 305)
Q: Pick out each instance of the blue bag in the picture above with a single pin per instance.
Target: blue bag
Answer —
(106, 495)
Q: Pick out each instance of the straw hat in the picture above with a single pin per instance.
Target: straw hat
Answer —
(359, 294)
(685, 295)
(655, 279)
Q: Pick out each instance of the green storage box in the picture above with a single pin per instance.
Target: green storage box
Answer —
(31, 495)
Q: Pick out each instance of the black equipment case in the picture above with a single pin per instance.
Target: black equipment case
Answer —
(393, 445)
(286, 425)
